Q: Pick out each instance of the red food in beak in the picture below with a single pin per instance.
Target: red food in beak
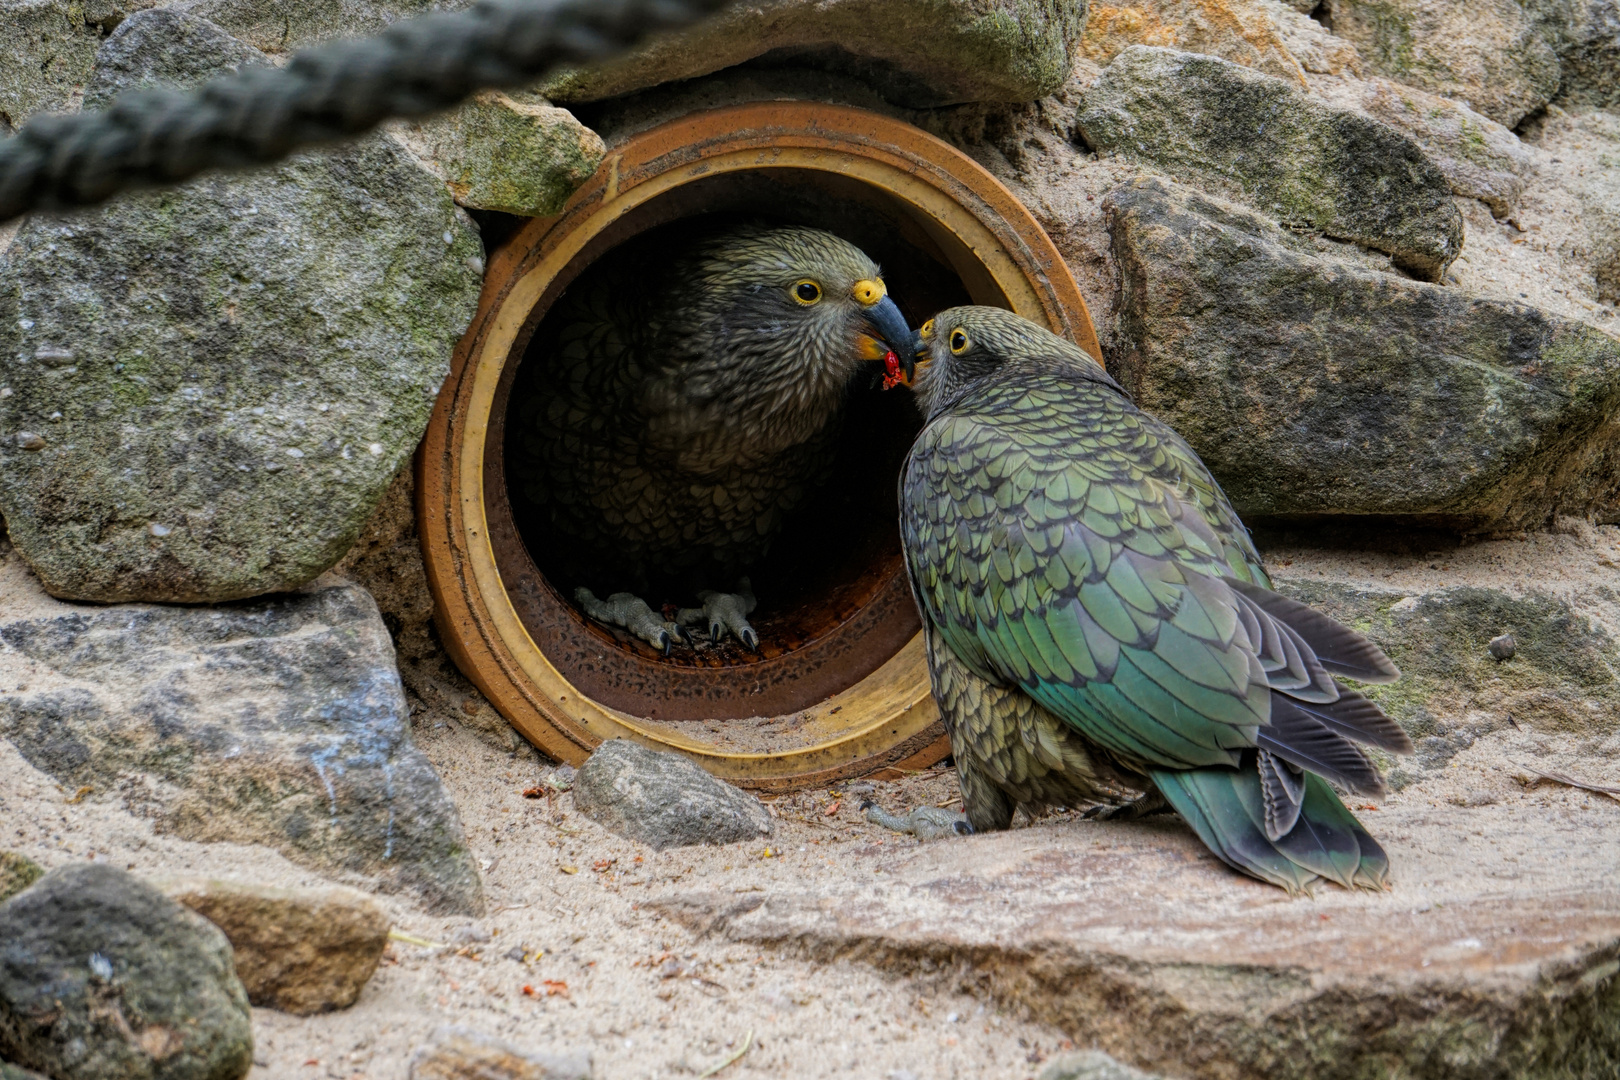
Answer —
(892, 375)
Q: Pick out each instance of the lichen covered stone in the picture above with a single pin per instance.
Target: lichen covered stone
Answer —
(204, 391)
(1491, 54)
(512, 152)
(1482, 159)
(919, 52)
(102, 976)
(1295, 159)
(1316, 387)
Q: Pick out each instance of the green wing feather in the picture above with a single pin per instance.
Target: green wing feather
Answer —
(1086, 579)
(1063, 543)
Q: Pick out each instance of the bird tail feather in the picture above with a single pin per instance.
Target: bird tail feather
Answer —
(1227, 809)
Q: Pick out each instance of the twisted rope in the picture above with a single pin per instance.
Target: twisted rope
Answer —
(157, 137)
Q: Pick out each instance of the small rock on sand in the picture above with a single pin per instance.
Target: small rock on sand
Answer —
(103, 976)
(459, 1053)
(302, 951)
(664, 800)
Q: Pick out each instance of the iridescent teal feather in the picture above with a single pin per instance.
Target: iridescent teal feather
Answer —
(1082, 575)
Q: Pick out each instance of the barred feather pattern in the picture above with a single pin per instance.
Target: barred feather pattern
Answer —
(1075, 561)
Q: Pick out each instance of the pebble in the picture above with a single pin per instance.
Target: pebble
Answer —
(1503, 647)
(30, 440)
(300, 951)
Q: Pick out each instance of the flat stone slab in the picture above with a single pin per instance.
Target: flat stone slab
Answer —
(1495, 955)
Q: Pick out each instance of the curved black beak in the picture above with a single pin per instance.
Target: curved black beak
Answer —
(886, 332)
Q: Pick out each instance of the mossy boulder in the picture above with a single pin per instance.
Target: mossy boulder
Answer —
(102, 976)
(1315, 387)
(1492, 54)
(1295, 159)
(915, 52)
(1482, 159)
(17, 872)
(47, 50)
(205, 391)
(1561, 676)
(512, 152)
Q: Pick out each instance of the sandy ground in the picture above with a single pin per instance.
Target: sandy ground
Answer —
(641, 993)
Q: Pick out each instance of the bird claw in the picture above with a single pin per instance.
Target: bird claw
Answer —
(726, 613)
(633, 614)
(923, 822)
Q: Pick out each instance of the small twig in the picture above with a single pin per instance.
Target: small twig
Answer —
(412, 939)
(748, 1040)
(1561, 778)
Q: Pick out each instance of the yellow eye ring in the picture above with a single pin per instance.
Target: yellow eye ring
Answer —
(959, 342)
(805, 292)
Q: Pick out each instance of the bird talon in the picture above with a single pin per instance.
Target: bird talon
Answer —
(728, 613)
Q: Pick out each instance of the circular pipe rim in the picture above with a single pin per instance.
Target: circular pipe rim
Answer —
(895, 725)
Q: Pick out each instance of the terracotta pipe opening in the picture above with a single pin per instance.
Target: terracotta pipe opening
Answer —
(838, 686)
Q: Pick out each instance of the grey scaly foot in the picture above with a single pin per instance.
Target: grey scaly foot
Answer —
(1150, 802)
(725, 613)
(631, 612)
(924, 822)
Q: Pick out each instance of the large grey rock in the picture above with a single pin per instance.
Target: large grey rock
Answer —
(1312, 386)
(461, 1053)
(279, 26)
(1482, 159)
(917, 52)
(1491, 54)
(301, 951)
(47, 48)
(1296, 159)
(515, 153)
(102, 976)
(279, 722)
(205, 391)
(664, 800)
(1561, 676)
(1589, 55)
(164, 47)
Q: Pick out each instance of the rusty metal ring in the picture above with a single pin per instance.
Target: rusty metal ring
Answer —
(887, 720)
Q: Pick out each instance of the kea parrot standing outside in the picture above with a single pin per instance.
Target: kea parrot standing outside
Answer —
(1098, 622)
(678, 409)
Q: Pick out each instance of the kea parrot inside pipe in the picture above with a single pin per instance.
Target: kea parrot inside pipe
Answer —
(683, 403)
(1098, 624)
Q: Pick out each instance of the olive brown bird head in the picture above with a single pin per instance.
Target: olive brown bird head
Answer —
(782, 319)
(963, 345)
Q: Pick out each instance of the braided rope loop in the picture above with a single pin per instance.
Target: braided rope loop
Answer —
(150, 138)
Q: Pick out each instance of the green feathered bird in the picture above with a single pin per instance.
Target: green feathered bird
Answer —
(1099, 623)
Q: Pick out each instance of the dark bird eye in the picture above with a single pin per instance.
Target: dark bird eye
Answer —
(959, 341)
(807, 292)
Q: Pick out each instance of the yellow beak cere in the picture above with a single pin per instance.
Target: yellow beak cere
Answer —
(868, 291)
